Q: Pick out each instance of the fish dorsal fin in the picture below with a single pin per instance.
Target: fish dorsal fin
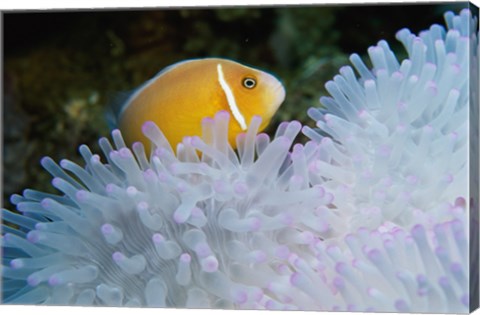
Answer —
(120, 100)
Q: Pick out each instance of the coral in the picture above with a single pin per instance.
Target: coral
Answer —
(369, 215)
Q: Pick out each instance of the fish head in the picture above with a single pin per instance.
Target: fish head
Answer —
(256, 92)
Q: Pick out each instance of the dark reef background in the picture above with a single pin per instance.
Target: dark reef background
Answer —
(61, 67)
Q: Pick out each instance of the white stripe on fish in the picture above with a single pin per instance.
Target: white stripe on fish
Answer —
(231, 98)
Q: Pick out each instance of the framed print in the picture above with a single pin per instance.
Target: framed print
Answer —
(302, 157)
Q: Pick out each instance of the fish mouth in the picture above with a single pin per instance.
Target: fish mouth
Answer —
(280, 94)
(280, 91)
(277, 94)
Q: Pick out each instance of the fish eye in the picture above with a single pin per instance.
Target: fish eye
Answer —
(249, 83)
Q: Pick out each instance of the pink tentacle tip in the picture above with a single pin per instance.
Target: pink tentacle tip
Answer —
(296, 124)
(107, 229)
(388, 244)
(295, 278)
(456, 68)
(16, 263)
(443, 282)
(179, 217)
(33, 281)
(314, 167)
(223, 114)
(240, 297)
(241, 136)
(118, 257)
(413, 78)
(449, 178)
(255, 224)
(263, 136)
(287, 219)
(270, 305)
(283, 125)
(207, 121)
(331, 249)
(162, 176)
(428, 128)
(158, 238)
(338, 283)
(187, 140)
(456, 267)
(137, 145)
(460, 202)
(210, 264)
(401, 305)
(131, 191)
(56, 181)
(374, 254)
(114, 154)
(401, 106)
(293, 259)
(125, 153)
(54, 280)
(185, 257)
(282, 252)
(220, 186)
(257, 294)
(149, 174)
(44, 160)
(148, 126)
(240, 188)
(7, 237)
(142, 206)
(95, 158)
(202, 250)
(46, 203)
(340, 267)
(326, 141)
(181, 187)
(196, 141)
(197, 212)
(33, 236)
(362, 114)
(320, 191)
(417, 230)
(173, 168)
(257, 117)
(109, 188)
(259, 256)
(64, 163)
(297, 150)
(284, 142)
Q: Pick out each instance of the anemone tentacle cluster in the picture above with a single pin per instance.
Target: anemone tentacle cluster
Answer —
(369, 215)
(402, 127)
(175, 230)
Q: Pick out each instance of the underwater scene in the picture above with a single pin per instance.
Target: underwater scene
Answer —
(319, 158)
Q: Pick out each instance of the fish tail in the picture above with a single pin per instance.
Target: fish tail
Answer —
(117, 102)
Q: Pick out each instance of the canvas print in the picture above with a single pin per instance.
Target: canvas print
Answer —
(320, 158)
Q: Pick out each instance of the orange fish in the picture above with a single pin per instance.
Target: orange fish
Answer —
(179, 97)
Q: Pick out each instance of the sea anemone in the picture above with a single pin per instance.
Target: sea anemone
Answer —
(396, 157)
(399, 134)
(369, 215)
(173, 230)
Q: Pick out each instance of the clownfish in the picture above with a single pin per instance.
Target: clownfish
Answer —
(180, 96)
